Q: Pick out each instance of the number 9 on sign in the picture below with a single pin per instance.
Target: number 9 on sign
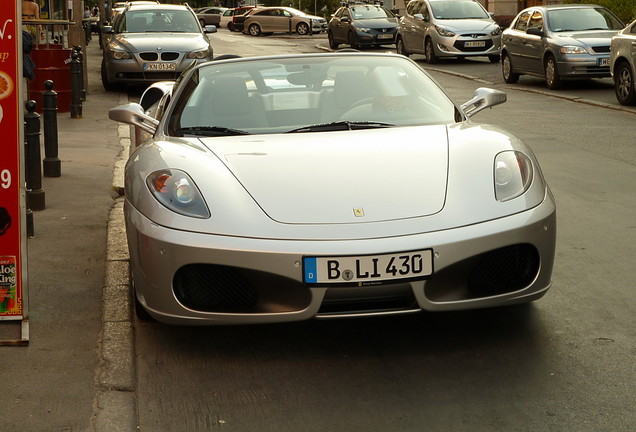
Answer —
(5, 179)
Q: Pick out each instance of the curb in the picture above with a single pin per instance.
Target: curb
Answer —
(115, 400)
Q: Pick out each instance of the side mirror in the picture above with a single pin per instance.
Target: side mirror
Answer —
(209, 29)
(483, 98)
(133, 114)
(419, 17)
(107, 29)
(345, 19)
(535, 31)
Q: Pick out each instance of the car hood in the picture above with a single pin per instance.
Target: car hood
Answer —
(467, 25)
(324, 178)
(378, 22)
(139, 42)
(588, 38)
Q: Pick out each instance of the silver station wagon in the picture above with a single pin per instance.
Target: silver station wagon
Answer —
(559, 42)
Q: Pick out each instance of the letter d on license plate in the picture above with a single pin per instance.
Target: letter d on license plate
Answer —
(368, 269)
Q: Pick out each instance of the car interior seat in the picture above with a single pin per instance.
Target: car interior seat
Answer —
(230, 105)
(349, 88)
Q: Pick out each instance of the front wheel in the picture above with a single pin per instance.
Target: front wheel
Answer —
(254, 29)
(302, 29)
(552, 77)
(332, 43)
(108, 85)
(509, 76)
(400, 48)
(429, 52)
(353, 41)
(624, 85)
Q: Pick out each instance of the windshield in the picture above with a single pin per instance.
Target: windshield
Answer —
(458, 10)
(581, 19)
(369, 12)
(142, 21)
(308, 94)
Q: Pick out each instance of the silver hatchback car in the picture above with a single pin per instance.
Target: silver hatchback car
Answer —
(448, 28)
(623, 64)
(559, 42)
(150, 43)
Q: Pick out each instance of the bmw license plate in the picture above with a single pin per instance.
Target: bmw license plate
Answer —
(603, 62)
(151, 67)
(368, 269)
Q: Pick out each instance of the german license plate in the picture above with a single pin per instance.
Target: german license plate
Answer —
(385, 36)
(603, 61)
(475, 44)
(160, 67)
(368, 269)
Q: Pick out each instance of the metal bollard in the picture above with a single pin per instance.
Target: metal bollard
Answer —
(51, 163)
(76, 86)
(35, 194)
(80, 57)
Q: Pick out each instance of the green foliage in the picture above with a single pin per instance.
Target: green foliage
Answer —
(624, 9)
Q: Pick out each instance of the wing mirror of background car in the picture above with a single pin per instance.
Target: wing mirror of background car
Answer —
(345, 19)
(483, 98)
(133, 114)
(209, 29)
(107, 29)
(420, 17)
(535, 31)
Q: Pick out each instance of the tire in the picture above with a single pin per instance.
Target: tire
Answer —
(624, 85)
(108, 86)
(429, 52)
(302, 29)
(509, 76)
(353, 41)
(332, 44)
(552, 78)
(401, 48)
(254, 30)
(230, 26)
(494, 58)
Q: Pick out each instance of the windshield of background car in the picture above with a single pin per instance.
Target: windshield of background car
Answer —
(172, 21)
(277, 95)
(581, 19)
(369, 12)
(458, 10)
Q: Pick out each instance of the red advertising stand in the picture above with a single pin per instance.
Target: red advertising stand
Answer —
(13, 292)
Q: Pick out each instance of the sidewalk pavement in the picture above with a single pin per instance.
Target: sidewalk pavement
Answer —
(77, 372)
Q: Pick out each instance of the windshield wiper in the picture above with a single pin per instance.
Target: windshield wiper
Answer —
(211, 131)
(341, 125)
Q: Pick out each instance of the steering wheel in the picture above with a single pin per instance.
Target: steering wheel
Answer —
(361, 102)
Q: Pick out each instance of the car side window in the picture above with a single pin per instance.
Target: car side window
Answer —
(536, 20)
(522, 22)
(633, 29)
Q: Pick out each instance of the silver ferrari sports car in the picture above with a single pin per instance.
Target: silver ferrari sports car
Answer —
(283, 188)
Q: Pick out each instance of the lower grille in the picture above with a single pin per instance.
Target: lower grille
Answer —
(504, 270)
(212, 288)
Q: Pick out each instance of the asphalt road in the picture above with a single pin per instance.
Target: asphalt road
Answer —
(564, 363)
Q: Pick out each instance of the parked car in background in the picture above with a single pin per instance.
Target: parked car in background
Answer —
(238, 18)
(210, 15)
(232, 218)
(362, 25)
(149, 43)
(118, 7)
(448, 28)
(623, 64)
(226, 17)
(282, 20)
(559, 42)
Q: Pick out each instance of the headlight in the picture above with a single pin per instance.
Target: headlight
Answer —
(571, 49)
(496, 31)
(117, 52)
(513, 175)
(176, 190)
(444, 32)
(199, 54)
(363, 29)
